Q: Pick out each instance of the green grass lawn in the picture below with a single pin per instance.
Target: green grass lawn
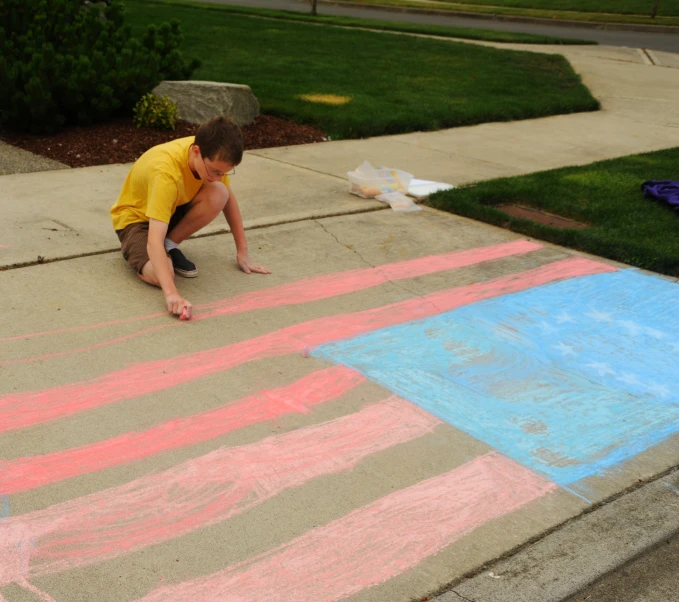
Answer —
(607, 195)
(395, 83)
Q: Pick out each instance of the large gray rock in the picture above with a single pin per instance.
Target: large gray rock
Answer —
(199, 101)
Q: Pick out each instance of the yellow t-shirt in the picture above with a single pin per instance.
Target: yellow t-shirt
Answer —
(158, 183)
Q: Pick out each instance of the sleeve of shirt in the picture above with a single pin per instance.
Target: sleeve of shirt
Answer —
(162, 197)
(226, 181)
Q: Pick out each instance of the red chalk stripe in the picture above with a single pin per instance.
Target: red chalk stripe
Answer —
(200, 492)
(374, 543)
(25, 409)
(318, 387)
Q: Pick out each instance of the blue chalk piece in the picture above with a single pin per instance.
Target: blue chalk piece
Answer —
(569, 379)
(4, 506)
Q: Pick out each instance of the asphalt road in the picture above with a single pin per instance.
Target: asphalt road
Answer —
(668, 42)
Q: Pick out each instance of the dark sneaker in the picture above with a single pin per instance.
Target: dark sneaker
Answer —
(182, 266)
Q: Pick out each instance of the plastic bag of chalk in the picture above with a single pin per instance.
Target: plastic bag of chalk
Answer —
(398, 201)
(367, 181)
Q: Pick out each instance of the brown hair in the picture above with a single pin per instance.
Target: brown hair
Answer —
(220, 139)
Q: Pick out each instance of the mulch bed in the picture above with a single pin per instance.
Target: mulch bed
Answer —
(120, 141)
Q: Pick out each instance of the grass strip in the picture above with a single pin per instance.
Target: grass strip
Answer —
(607, 195)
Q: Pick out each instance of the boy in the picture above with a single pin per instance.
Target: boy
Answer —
(171, 192)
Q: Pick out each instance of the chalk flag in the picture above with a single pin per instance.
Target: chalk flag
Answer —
(371, 544)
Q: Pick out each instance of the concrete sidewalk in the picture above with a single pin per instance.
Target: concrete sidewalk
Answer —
(60, 215)
(638, 114)
(405, 399)
(15, 160)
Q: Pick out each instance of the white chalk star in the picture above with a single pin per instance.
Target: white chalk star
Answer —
(629, 379)
(656, 334)
(547, 328)
(659, 390)
(600, 316)
(602, 368)
(564, 318)
(633, 327)
(565, 349)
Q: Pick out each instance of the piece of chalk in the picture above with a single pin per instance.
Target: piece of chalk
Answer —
(305, 351)
(184, 315)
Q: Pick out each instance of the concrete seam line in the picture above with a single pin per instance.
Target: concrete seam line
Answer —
(458, 153)
(644, 56)
(653, 57)
(280, 222)
(396, 283)
(44, 260)
(652, 484)
(350, 247)
(323, 173)
(389, 137)
(436, 150)
(461, 596)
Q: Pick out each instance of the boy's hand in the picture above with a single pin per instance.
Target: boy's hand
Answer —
(176, 305)
(248, 266)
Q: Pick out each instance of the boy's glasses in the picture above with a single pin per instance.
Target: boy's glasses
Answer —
(216, 174)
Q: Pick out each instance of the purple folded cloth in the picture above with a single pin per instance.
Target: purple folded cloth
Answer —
(665, 191)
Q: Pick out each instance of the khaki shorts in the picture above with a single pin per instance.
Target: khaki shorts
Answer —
(135, 237)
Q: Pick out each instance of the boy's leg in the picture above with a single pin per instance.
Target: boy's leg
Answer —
(133, 240)
(205, 206)
(148, 274)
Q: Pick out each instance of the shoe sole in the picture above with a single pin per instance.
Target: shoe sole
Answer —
(186, 274)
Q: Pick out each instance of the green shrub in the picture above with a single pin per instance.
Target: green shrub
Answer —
(155, 111)
(66, 62)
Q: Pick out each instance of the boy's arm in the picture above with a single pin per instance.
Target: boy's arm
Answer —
(161, 267)
(232, 214)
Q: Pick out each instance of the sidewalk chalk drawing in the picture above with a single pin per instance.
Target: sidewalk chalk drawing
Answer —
(562, 370)
(15, 549)
(569, 379)
(301, 291)
(321, 386)
(20, 410)
(374, 543)
(208, 489)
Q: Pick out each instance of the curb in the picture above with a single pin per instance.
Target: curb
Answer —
(511, 18)
(582, 551)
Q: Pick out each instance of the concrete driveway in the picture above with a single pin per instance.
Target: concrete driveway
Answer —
(407, 397)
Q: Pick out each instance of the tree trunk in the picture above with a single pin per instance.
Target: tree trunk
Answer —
(654, 12)
(313, 7)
